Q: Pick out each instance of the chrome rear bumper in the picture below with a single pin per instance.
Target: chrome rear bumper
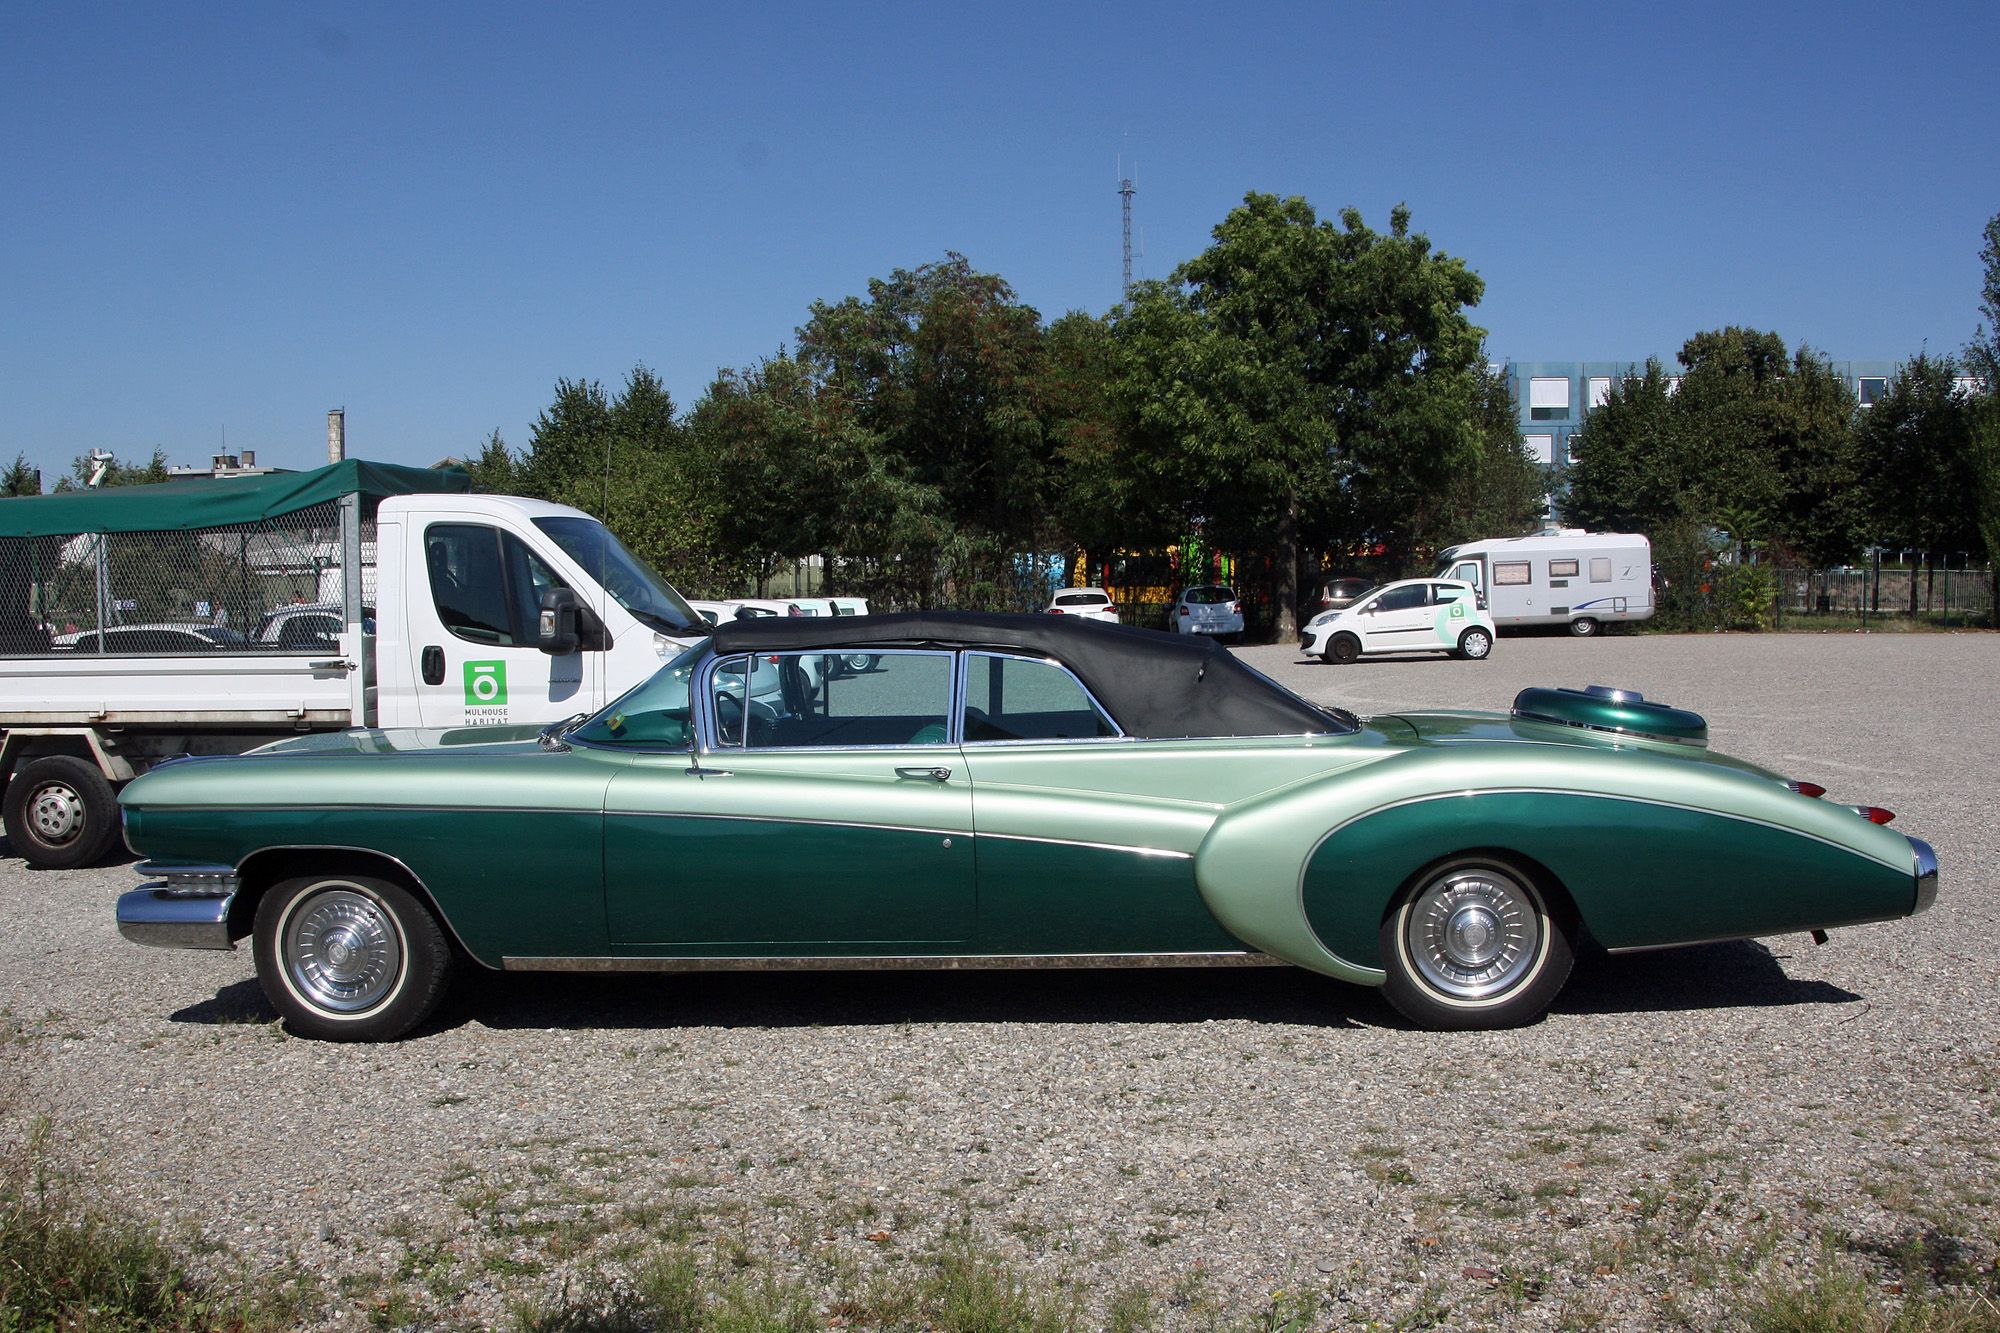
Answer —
(1927, 875)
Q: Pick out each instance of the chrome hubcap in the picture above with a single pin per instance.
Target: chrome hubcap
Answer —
(1474, 933)
(56, 813)
(342, 950)
(1477, 645)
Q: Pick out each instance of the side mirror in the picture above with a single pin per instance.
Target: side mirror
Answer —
(556, 630)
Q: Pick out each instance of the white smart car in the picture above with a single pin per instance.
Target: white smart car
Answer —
(1408, 616)
(1090, 603)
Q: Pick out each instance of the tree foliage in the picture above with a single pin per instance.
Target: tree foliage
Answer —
(1753, 441)
(1298, 376)
(115, 473)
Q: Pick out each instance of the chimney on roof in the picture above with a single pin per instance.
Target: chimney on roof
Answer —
(336, 435)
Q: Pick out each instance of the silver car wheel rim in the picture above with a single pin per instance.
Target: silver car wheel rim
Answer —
(1474, 934)
(1477, 645)
(56, 813)
(342, 951)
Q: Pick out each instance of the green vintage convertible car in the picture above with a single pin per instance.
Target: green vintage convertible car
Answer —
(960, 790)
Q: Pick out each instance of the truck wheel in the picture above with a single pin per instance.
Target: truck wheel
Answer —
(61, 813)
(349, 957)
(1474, 942)
(1344, 649)
(1475, 645)
(1584, 627)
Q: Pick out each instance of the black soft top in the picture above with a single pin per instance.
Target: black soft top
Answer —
(1157, 686)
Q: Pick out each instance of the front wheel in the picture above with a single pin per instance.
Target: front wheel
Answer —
(1474, 943)
(350, 957)
(61, 813)
(860, 662)
(1344, 649)
(1475, 645)
(1583, 627)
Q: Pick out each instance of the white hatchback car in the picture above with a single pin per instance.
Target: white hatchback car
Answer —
(1090, 603)
(1408, 616)
(1209, 609)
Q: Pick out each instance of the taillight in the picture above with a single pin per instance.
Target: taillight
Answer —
(1184, 610)
(1055, 610)
(1874, 814)
(1812, 789)
(1236, 608)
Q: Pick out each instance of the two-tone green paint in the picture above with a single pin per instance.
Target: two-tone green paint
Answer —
(1292, 846)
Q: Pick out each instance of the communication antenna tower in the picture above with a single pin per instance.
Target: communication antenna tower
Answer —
(1126, 189)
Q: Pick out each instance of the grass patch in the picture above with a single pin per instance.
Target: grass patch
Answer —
(67, 1263)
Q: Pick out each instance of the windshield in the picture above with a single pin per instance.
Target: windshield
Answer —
(656, 715)
(1208, 596)
(630, 580)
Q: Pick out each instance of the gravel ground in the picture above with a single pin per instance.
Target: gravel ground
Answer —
(1680, 1128)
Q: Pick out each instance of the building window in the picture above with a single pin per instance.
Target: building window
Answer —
(1542, 448)
(1509, 573)
(1548, 400)
(1562, 569)
(1600, 389)
(1872, 389)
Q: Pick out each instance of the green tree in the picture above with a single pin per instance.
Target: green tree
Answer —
(115, 473)
(1753, 437)
(944, 368)
(1916, 447)
(1982, 357)
(494, 470)
(21, 478)
(1500, 490)
(1298, 373)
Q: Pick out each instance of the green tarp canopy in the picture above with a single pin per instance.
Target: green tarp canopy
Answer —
(214, 502)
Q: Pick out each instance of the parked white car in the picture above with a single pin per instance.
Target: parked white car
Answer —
(1212, 608)
(1408, 616)
(1090, 603)
(756, 608)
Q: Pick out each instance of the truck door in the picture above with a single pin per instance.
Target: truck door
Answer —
(472, 622)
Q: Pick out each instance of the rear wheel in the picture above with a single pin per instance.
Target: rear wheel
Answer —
(1475, 644)
(859, 662)
(1584, 627)
(1344, 649)
(350, 957)
(1475, 942)
(61, 813)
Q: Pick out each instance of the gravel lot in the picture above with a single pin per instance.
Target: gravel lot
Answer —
(1682, 1127)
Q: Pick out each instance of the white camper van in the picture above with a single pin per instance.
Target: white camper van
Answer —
(1581, 579)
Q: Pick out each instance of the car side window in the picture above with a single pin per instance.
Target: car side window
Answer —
(1403, 599)
(1015, 699)
(810, 700)
(486, 584)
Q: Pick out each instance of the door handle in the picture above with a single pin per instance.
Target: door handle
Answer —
(433, 665)
(934, 774)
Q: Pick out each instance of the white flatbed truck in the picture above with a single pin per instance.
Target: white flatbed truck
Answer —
(141, 623)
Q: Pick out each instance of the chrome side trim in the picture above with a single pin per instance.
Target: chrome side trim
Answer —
(1927, 875)
(892, 962)
(1547, 721)
(786, 819)
(151, 914)
(1102, 846)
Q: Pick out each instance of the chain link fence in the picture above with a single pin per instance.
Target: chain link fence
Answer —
(269, 587)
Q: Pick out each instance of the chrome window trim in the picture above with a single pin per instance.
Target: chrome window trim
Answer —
(705, 718)
(961, 691)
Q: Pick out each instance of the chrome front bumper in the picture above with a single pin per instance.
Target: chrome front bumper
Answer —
(1927, 875)
(189, 909)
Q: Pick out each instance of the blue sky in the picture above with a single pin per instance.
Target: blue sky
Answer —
(235, 216)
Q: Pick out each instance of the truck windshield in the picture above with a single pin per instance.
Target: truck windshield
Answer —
(629, 580)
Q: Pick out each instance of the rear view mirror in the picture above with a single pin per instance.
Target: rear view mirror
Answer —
(556, 629)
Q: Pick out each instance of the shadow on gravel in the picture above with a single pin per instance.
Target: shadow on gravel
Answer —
(865, 999)
(1737, 975)
(242, 1002)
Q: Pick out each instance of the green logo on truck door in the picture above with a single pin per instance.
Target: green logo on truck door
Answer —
(485, 684)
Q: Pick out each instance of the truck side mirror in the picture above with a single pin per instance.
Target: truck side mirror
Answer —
(556, 629)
